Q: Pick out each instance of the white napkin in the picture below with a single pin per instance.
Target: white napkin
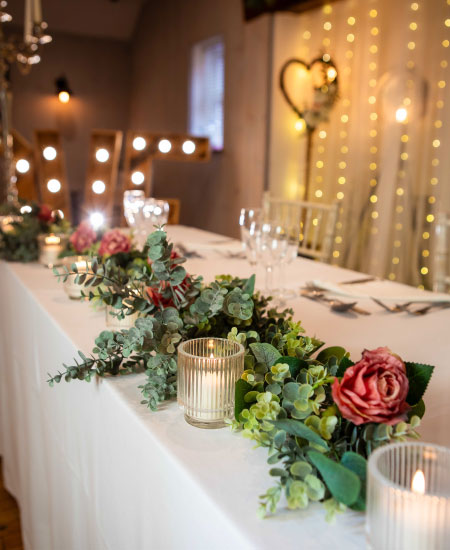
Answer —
(381, 290)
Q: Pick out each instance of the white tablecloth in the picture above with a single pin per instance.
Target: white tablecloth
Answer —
(93, 469)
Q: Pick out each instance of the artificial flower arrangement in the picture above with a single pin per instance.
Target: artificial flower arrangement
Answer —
(19, 237)
(318, 413)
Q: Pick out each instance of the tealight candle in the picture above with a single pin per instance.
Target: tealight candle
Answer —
(50, 247)
(208, 369)
(73, 289)
(112, 321)
(408, 499)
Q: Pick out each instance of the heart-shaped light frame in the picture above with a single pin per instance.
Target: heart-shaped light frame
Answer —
(325, 95)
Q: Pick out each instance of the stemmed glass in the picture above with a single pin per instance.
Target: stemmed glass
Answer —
(248, 217)
(133, 201)
(268, 243)
(292, 237)
(152, 212)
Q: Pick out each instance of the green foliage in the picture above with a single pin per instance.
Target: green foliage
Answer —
(418, 375)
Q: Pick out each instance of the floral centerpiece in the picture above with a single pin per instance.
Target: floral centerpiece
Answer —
(19, 238)
(318, 413)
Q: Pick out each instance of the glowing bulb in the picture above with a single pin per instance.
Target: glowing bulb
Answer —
(59, 213)
(401, 114)
(102, 155)
(96, 219)
(98, 187)
(331, 73)
(22, 166)
(49, 153)
(300, 125)
(26, 209)
(53, 185)
(164, 146)
(64, 97)
(139, 143)
(137, 178)
(188, 147)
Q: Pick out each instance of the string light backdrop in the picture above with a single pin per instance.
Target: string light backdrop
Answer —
(380, 154)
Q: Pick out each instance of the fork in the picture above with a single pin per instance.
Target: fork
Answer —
(398, 308)
(335, 305)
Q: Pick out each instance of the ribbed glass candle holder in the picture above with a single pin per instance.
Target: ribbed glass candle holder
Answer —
(408, 498)
(208, 369)
(83, 263)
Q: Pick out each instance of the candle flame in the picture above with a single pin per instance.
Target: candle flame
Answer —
(418, 483)
(52, 239)
(211, 356)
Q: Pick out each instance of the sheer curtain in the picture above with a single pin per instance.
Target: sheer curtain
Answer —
(382, 155)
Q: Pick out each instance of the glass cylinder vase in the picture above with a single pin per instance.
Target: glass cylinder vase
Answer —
(50, 247)
(208, 369)
(113, 322)
(408, 499)
(73, 289)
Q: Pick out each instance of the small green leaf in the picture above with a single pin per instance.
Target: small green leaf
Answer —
(265, 353)
(358, 464)
(295, 364)
(417, 410)
(418, 375)
(344, 364)
(249, 286)
(298, 429)
(241, 389)
(334, 351)
(342, 483)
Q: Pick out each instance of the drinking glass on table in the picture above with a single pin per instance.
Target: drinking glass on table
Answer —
(292, 238)
(153, 212)
(268, 243)
(248, 217)
(133, 201)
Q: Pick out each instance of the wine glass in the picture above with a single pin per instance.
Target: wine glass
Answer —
(133, 201)
(247, 217)
(153, 212)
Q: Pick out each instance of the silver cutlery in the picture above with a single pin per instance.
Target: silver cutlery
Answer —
(335, 305)
(360, 281)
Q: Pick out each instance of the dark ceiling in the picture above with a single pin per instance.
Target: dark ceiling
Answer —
(100, 18)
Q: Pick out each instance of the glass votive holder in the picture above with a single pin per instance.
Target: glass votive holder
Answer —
(73, 289)
(50, 247)
(408, 497)
(113, 322)
(208, 369)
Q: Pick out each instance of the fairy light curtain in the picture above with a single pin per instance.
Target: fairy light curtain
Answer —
(381, 155)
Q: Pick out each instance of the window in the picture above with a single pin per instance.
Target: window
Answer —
(207, 90)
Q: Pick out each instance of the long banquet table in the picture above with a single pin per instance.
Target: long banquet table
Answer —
(94, 469)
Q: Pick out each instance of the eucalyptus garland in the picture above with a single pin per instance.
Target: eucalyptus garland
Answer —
(293, 397)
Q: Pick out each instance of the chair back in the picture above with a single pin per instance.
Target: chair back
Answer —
(174, 211)
(316, 224)
(441, 281)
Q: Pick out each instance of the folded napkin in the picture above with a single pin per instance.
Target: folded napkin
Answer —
(381, 290)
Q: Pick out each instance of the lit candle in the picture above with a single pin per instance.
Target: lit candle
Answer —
(50, 247)
(208, 369)
(73, 289)
(408, 498)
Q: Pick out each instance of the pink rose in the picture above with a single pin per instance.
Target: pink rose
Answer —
(113, 242)
(83, 237)
(374, 389)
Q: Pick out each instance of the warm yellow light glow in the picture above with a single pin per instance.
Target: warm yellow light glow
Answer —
(98, 187)
(331, 73)
(445, 43)
(344, 149)
(340, 195)
(401, 114)
(52, 239)
(400, 191)
(327, 9)
(49, 153)
(372, 82)
(435, 162)
(425, 253)
(438, 124)
(431, 199)
(306, 35)
(351, 20)
(53, 185)
(436, 143)
(425, 235)
(318, 193)
(342, 165)
(373, 48)
(344, 118)
(373, 149)
(397, 244)
(341, 180)
(441, 83)
(404, 138)
(430, 218)
(447, 22)
(391, 276)
(424, 270)
(322, 134)
(374, 215)
(395, 260)
(64, 97)
(404, 156)
(300, 125)
(372, 66)
(338, 239)
(373, 13)
(319, 164)
(373, 198)
(164, 146)
(188, 147)
(137, 177)
(26, 209)
(373, 116)
(96, 219)
(139, 143)
(350, 37)
(413, 26)
(434, 181)
(373, 166)
(327, 25)
(414, 6)
(335, 254)
(411, 45)
(374, 31)
(102, 154)
(22, 166)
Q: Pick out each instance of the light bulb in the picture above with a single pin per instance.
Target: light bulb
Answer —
(139, 143)
(331, 73)
(98, 187)
(401, 114)
(137, 178)
(188, 147)
(64, 97)
(26, 209)
(96, 219)
(49, 153)
(22, 166)
(164, 146)
(53, 185)
(102, 155)
(300, 125)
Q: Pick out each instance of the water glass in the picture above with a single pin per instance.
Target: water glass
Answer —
(249, 216)
(133, 201)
